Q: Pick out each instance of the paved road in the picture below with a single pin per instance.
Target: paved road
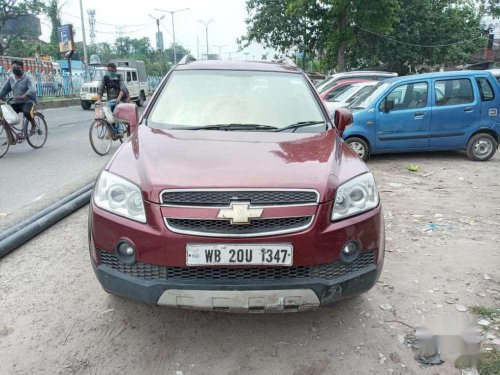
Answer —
(28, 175)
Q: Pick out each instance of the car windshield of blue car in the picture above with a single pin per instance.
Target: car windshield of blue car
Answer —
(368, 97)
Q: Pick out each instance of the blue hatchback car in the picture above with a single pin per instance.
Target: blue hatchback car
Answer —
(428, 112)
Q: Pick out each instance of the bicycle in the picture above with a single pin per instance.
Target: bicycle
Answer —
(105, 128)
(36, 137)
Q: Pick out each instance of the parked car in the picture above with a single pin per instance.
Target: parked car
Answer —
(339, 87)
(347, 96)
(429, 112)
(243, 198)
(368, 75)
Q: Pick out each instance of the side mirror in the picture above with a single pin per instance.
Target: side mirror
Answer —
(342, 118)
(388, 105)
(127, 112)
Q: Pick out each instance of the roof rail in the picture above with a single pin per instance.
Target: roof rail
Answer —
(186, 59)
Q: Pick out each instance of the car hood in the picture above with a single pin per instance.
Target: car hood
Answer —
(182, 159)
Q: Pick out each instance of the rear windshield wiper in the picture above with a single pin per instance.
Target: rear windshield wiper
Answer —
(228, 127)
(300, 124)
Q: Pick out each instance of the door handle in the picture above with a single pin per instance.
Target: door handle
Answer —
(418, 114)
(468, 109)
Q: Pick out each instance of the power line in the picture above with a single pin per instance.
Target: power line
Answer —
(104, 23)
(418, 45)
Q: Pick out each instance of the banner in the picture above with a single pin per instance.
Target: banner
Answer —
(65, 36)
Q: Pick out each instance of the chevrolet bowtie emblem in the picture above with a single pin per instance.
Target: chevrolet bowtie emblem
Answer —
(240, 213)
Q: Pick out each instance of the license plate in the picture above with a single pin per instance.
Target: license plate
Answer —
(226, 255)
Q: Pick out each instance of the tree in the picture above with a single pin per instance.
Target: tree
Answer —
(123, 46)
(323, 27)
(13, 9)
(430, 32)
(53, 12)
(180, 51)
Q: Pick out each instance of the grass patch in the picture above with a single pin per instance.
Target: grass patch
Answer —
(487, 312)
(489, 363)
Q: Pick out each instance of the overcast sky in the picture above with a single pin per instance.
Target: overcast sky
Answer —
(228, 23)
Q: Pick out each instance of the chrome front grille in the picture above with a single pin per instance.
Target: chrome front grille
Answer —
(225, 228)
(146, 271)
(222, 198)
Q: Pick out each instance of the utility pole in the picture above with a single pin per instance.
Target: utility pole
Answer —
(246, 55)
(172, 12)
(206, 23)
(159, 41)
(85, 58)
(197, 47)
(220, 50)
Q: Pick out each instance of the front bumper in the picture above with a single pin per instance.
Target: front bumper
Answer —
(240, 295)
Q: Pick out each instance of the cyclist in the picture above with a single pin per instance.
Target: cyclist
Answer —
(113, 84)
(24, 93)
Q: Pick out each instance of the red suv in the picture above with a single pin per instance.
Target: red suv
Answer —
(236, 193)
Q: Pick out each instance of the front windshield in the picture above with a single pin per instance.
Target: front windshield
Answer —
(364, 100)
(198, 98)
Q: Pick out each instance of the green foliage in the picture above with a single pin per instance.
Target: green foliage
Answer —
(402, 35)
(157, 62)
(487, 312)
(429, 33)
(11, 9)
(52, 10)
(319, 27)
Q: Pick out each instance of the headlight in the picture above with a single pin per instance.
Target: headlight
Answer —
(355, 196)
(119, 196)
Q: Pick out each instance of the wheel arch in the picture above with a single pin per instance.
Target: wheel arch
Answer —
(361, 137)
(491, 132)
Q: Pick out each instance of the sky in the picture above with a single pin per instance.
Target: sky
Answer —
(133, 20)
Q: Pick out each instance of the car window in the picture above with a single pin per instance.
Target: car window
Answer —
(453, 91)
(485, 89)
(213, 97)
(337, 91)
(134, 76)
(409, 96)
(129, 77)
(363, 101)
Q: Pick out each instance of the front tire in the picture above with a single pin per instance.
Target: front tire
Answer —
(4, 140)
(38, 136)
(481, 147)
(101, 137)
(359, 146)
(86, 104)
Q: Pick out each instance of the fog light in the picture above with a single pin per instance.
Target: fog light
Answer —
(125, 252)
(350, 252)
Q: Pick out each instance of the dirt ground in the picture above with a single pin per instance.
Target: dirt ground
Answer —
(443, 252)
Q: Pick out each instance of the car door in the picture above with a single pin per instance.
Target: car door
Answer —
(407, 124)
(456, 109)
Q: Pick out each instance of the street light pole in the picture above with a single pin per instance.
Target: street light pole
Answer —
(206, 23)
(172, 12)
(85, 58)
(159, 45)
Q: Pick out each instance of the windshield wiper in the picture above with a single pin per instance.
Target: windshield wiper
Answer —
(228, 127)
(301, 124)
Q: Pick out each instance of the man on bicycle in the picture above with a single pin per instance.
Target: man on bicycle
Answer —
(113, 84)
(24, 93)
